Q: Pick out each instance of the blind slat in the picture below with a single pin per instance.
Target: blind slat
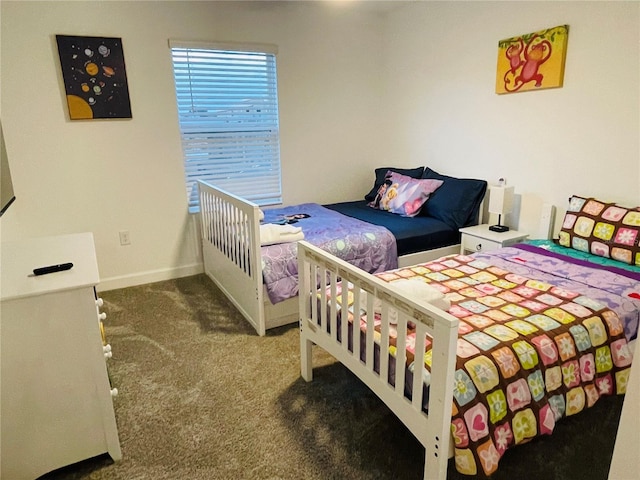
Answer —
(228, 113)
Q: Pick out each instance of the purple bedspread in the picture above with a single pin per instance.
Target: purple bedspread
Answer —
(367, 246)
(619, 290)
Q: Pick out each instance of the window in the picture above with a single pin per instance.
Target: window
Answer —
(228, 113)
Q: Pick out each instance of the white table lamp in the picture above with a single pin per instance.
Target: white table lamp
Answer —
(500, 203)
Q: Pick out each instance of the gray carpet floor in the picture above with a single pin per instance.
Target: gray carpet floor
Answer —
(201, 396)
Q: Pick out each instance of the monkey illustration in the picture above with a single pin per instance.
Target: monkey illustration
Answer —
(513, 55)
(534, 56)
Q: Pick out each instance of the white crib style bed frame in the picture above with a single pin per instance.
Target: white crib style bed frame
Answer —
(230, 235)
(433, 430)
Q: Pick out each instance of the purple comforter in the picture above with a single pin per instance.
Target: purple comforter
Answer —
(616, 288)
(367, 246)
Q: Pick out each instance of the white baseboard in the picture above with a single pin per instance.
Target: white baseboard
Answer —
(151, 276)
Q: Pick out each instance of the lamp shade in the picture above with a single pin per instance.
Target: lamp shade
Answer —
(501, 200)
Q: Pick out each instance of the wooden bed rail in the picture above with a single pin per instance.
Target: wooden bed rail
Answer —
(321, 325)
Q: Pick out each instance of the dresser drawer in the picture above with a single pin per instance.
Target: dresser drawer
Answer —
(471, 244)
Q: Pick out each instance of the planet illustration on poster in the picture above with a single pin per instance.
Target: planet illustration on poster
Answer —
(95, 78)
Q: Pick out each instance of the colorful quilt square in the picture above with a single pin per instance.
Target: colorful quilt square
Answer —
(489, 457)
(560, 315)
(465, 349)
(543, 322)
(626, 236)
(575, 401)
(497, 315)
(516, 311)
(491, 301)
(464, 327)
(483, 373)
(522, 327)
(622, 380)
(563, 293)
(465, 461)
(459, 433)
(613, 213)
(526, 354)
(455, 284)
(571, 373)
(479, 321)
(604, 230)
(458, 311)
(497, 406)
(592, 394)
(587, 367)
(566, 347)
(553, 378)
(510, 297)
(547, 420)
(536, 385)
(470, 292)
(590, 303)
(549, 299)
(558, 405)
(605, 384)
(538, 285)
(501, 332)
(597, 331)
(580, 337)
(474, 306)
(488, 289)
(584, 226)
(576, 310)
(503, 437)
(484, 277)
(632, 218)
(504, 284)
(481, 340)
(515, 278)
(518, 395)
(622, 254)
(604, 363)
(613, 322)
(506, 361)
(524, 426)
(600, 249)
(437, 276)
(621, 353)
(546, 349)
(580, 244)
(467, 269)
(477, 421)
(526, 291)
(453, 273)
(463, 389)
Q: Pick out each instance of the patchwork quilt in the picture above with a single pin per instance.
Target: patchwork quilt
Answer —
(369, 247)
(530, 350)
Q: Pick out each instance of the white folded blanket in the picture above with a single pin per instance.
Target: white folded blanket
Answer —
(416, 290)
(270, 234)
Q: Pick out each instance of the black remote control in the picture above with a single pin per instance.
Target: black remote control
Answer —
(52, 269)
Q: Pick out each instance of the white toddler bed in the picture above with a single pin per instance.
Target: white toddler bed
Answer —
(557, 326)
(231, 247)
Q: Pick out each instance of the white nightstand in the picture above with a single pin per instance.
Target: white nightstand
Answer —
(480, 239)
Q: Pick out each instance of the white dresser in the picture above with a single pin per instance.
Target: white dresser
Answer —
(55, 396)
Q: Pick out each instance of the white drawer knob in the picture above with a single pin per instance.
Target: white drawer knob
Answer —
(478, 247)
(102, 316)
(108, 354)
(99, 302)
(106, 348)
(114, 392)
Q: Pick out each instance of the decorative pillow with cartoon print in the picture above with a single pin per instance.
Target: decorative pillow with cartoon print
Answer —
(403, 195)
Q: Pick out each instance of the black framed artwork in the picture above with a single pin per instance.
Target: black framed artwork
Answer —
(95, 78)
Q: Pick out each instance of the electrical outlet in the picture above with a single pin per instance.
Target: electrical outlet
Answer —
(125, 239)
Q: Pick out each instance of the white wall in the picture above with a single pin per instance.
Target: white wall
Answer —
(583, 138)
(358, 89)
(110, 175)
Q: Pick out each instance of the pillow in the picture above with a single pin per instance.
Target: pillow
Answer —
(457, 201)
(382, 172)
(403, 195)
(602, 229)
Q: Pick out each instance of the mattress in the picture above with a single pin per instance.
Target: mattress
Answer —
(413, 234)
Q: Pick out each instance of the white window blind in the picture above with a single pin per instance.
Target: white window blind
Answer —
(228, 112)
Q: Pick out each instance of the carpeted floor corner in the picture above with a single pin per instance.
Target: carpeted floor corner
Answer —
(201, 396)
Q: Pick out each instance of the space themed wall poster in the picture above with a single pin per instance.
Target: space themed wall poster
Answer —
(94, 77)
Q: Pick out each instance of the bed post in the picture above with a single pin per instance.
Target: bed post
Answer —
(443, 366)
(306, 365)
